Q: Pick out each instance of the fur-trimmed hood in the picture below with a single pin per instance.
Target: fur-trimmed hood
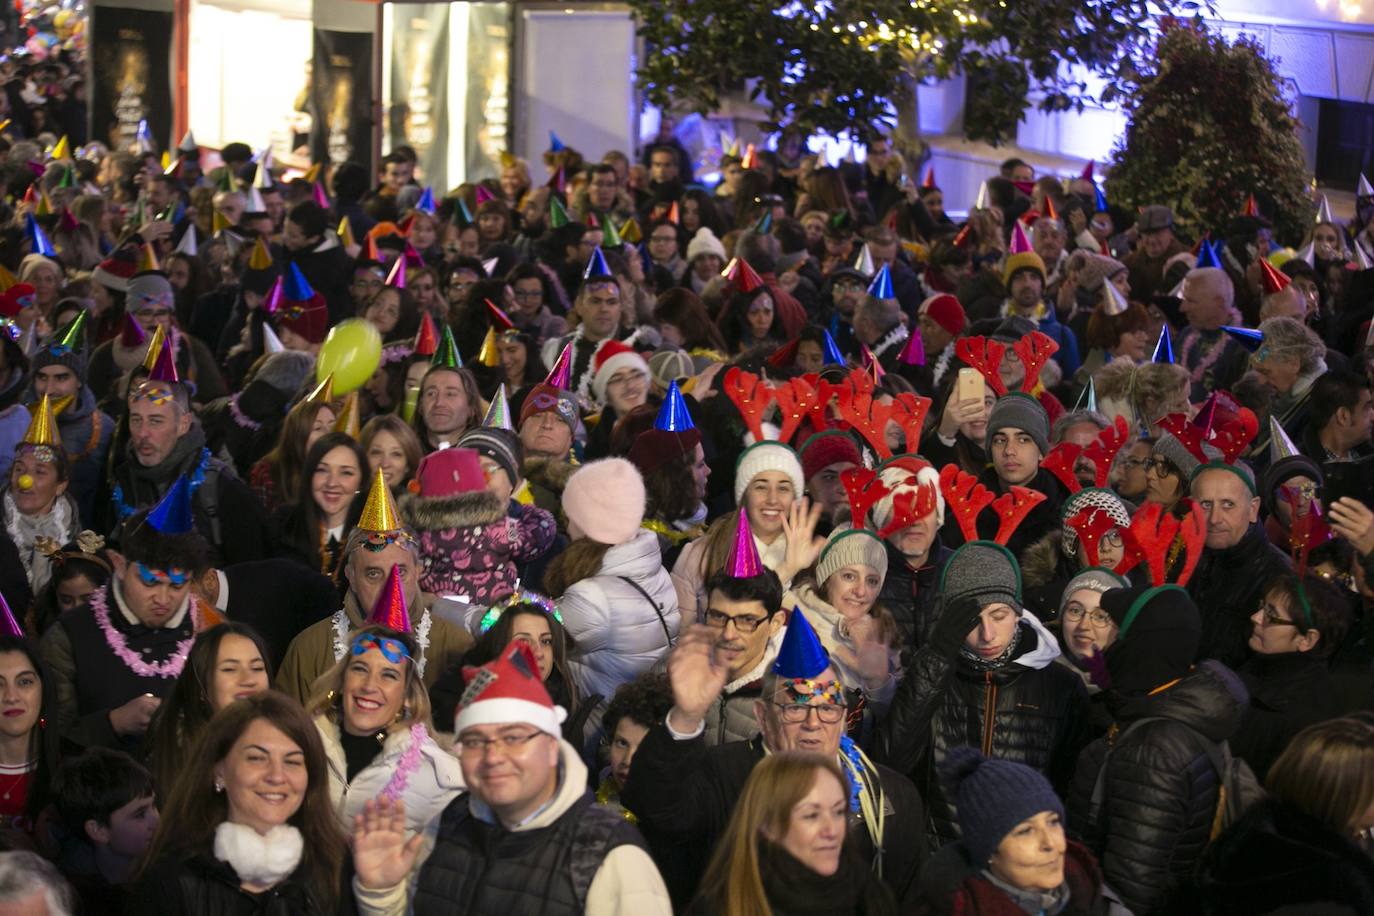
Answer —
(548, 473)
(465, 510)
(1042, 562)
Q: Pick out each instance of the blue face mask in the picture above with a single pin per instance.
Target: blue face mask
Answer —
(152, 578)
(393, 650)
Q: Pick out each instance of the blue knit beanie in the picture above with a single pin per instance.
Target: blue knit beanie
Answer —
(992, 797)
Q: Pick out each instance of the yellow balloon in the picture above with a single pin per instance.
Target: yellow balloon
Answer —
(352, 352)
(1281, 257)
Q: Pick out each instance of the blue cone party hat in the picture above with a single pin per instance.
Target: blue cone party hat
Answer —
(426, 202)
(555, 144)
(597, 268)
(462, 215)
(173, 514)
(881, 287)
(1207, 256)
(831, 355)
(297, 288)
(1248, 338)
(1101, 205)
(38, 239)
(1164, 348)
(801, 654)
(673, 416)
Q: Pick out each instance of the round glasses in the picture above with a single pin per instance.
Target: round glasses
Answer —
(794, 713)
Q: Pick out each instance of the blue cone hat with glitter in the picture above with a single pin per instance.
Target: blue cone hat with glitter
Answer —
(801, 653)
(832, 355)
(673, 416)
(1207, 255)
(881, 287)
(1249, 338)
(596, 268)
(297, 288)
(173, 514)
(1164, 348)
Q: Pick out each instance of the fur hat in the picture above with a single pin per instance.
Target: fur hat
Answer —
(605, 500)
(767, 456)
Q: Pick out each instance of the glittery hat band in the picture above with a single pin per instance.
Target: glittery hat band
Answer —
(157, 392)
(379, 541)
(543, 401)
(804, 690)
(522, 597)
(44, 453)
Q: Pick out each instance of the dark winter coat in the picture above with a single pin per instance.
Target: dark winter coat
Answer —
(1227, 587)
(1288, 692)
(911, 595)
(951, 884)
(1030, 710)
(205, 886)
(1160, 786)
(1276, 856)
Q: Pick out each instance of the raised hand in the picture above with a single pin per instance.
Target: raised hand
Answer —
(1352, 520)
(803, 547)
(696, 675)
(382, 856)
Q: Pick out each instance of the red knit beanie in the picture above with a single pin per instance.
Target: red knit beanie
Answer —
(945, 311)
(826, 448)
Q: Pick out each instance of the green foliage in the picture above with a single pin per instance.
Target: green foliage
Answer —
(841, 65)
(1209, 126)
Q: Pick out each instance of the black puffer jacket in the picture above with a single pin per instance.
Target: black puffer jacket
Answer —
(1276, 856)
(1161, 788)
(1227, 587)
(208, 887)
(911, 595)
(1031, 711)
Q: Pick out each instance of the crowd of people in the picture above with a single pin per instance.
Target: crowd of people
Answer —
(786, 546)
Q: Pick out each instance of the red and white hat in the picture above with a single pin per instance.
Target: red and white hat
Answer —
(610, 358)
(508, 691)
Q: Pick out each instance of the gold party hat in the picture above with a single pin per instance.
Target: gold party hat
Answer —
(323, 393)
(42, 428)
(379, 512)
(349, 420)
(154, 348)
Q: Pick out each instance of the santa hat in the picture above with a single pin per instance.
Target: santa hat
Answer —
(508, 691)
(117, 270)
(610, 358)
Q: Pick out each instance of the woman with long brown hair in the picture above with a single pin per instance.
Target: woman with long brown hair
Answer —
(252, 797)
(682, 319)
(274, 477)
(786, 851)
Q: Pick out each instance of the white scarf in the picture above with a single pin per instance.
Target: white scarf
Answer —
(257, 859)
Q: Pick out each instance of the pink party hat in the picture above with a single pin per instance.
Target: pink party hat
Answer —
(561, 374)
(744, 555)
(1020, 243)
(914, 353)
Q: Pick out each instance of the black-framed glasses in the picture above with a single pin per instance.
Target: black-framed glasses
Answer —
(1096, 617)
(1273, 618)
(743, 623)
(827, 713)
(475, 745)
(1161, 467)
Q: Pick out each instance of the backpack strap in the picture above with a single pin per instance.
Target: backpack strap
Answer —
(1100, 785)
(667, 634)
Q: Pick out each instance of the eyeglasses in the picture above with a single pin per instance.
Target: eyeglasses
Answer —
(624, 381)
(1132, 463)
(793, 713)
(1097, 617)
(743, 623)
(475, 746)
(1161, 467)
(1272, 617)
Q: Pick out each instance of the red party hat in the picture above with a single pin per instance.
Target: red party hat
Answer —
(390, 607)
(426, 339)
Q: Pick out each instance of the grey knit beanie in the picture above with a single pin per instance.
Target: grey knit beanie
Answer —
(985, 571)
(992, 797)
(500, 445)
(1019, 411)
(286, 371)
(850, 547)
(1094, 578)
(1168, 446)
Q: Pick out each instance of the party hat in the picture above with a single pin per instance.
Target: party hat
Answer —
(255, 202)
(745, 562)
(497, 317)
(1020, 242)
(345, 233)
(984, 198)
(630, 233)
(1308, 254)
(743, 277)
(61, 149)
(732, 148)
(447, 354)
(1280, 446)
(558, 216)
(271, 343)
(1087, 173)
(1271, 280)
(830, 352)
(801, 655)
(498, 413)
(38, 239)
(414, 258)
(260, 258)
(312, 174)
(914, 353)
(262, 177)
(427, 338)
(154, 350)
(864, 262)
(276, 293)
(187, 245)
(1248, 338)
(462, 216)
(218, 223)
(1207, 254)
(379, 512)
(426, 202)
(560, 376)
(1164, 348)
(610, 237)
(148, 259)
(750, 159)
(1362, 259)
(68, 223)
(297, 288)
(172, 514)
(1323, 211)
(396, 277)
(1251, 208)
(1087, 399)
(596, 268)
(8, 625)
(42, 428)
(321, 198)
(390, 608)
(929, 181)
(73, 335)
(881, 287)
(557, 182)
(1364, 188)
(1101, 203)
(672, 215)
(765, 223)
(555, 144)
(482, 195)
(132, 334)
(1050, 212)
(165, 369)
(44, 207)
(370, 252)
(489, 355)
(349, 420)
(673, 416)
(1113, 303)
(323, 393)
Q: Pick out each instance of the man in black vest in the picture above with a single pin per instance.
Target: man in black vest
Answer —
(114, 658)
(528, 837)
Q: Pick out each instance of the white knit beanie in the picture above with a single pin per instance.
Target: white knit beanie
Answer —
(767, 456)
(605, 499)
(704, 242)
